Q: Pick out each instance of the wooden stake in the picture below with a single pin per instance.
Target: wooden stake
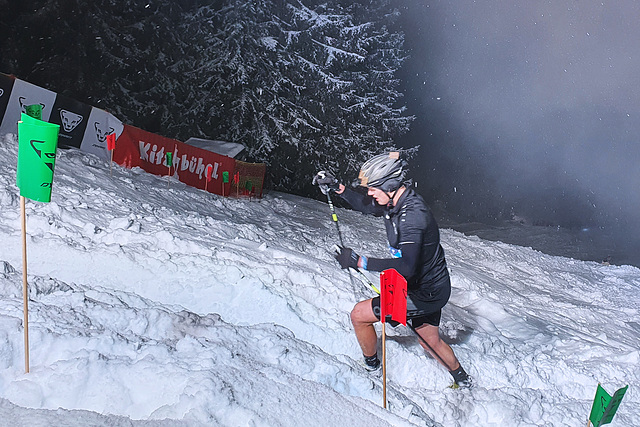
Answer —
(25, 285)
(384, 367)
(111, 163)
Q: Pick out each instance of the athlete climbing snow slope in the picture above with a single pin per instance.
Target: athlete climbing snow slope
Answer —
(414, 241)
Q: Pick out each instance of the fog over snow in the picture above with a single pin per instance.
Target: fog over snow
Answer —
(156, 304)
(529, 109)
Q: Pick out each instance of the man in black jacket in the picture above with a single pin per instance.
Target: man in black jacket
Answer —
(414, 242)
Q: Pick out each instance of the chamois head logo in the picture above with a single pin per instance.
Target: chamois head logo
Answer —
(48, 158)
(102, 131)
(69, 120)
(23, 104)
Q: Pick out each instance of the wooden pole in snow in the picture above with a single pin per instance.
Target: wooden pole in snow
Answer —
(384, 366)
(25, 285)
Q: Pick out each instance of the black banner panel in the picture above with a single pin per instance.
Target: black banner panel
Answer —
(6, 84)
(72, 116)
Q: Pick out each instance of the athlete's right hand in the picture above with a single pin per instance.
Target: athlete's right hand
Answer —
(346, 257)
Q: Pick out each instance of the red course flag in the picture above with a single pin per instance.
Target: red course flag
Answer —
(236, 177)
(393, 297)
(111, 141)
(209, 172)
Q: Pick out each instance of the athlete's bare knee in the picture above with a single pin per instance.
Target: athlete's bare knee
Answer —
(355, 315)
(360, 314)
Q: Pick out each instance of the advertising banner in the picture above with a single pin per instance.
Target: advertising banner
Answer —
(138, 148)
(99, 125)
(72, 117)
(6, 84)
(24, 94)
(87, 128)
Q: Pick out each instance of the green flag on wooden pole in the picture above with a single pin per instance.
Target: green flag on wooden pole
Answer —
(605, 406)
(168, 162)
(225, 179)
(34, 111)
(37, 144)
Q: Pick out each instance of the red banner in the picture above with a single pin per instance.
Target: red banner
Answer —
(393, 296)
(139, 148)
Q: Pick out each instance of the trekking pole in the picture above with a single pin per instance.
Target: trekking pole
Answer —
(334, 216)
(366, 280)
(327, 191)
(431, 349)
(363, 277)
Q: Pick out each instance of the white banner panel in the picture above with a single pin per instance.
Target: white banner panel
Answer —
(100, 125)
(24, 94)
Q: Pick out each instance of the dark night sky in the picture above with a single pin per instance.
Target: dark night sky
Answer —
(531, 105)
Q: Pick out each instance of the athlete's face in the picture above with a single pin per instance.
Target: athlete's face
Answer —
(381, 197)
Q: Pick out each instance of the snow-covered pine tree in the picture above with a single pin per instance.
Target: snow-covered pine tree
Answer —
(121, 55)
(303, 87)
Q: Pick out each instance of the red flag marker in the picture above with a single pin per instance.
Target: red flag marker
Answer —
(208, 176)
(111, 141)
(393, 297)
(236, 181)
(111, 145)
(393, 306)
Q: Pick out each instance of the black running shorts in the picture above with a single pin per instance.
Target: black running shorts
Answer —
(417, 318)
(423, 307)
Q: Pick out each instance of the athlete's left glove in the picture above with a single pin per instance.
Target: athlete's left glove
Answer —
(346, 257)
(326, 182)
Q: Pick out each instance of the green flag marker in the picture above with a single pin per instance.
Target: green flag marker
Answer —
(34, 111)
(225, 177)
(248, 185)
(37, 144)
(605, 406)
(169, 159)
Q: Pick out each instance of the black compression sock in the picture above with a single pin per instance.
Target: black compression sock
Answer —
(372, 361)
(459, 374)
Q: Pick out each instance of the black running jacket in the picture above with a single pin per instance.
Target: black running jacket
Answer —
(412, 229)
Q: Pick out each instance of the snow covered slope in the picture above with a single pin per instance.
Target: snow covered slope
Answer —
(153, 303)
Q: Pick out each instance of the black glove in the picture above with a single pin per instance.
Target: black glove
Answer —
(346, 257)
(326, 181)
